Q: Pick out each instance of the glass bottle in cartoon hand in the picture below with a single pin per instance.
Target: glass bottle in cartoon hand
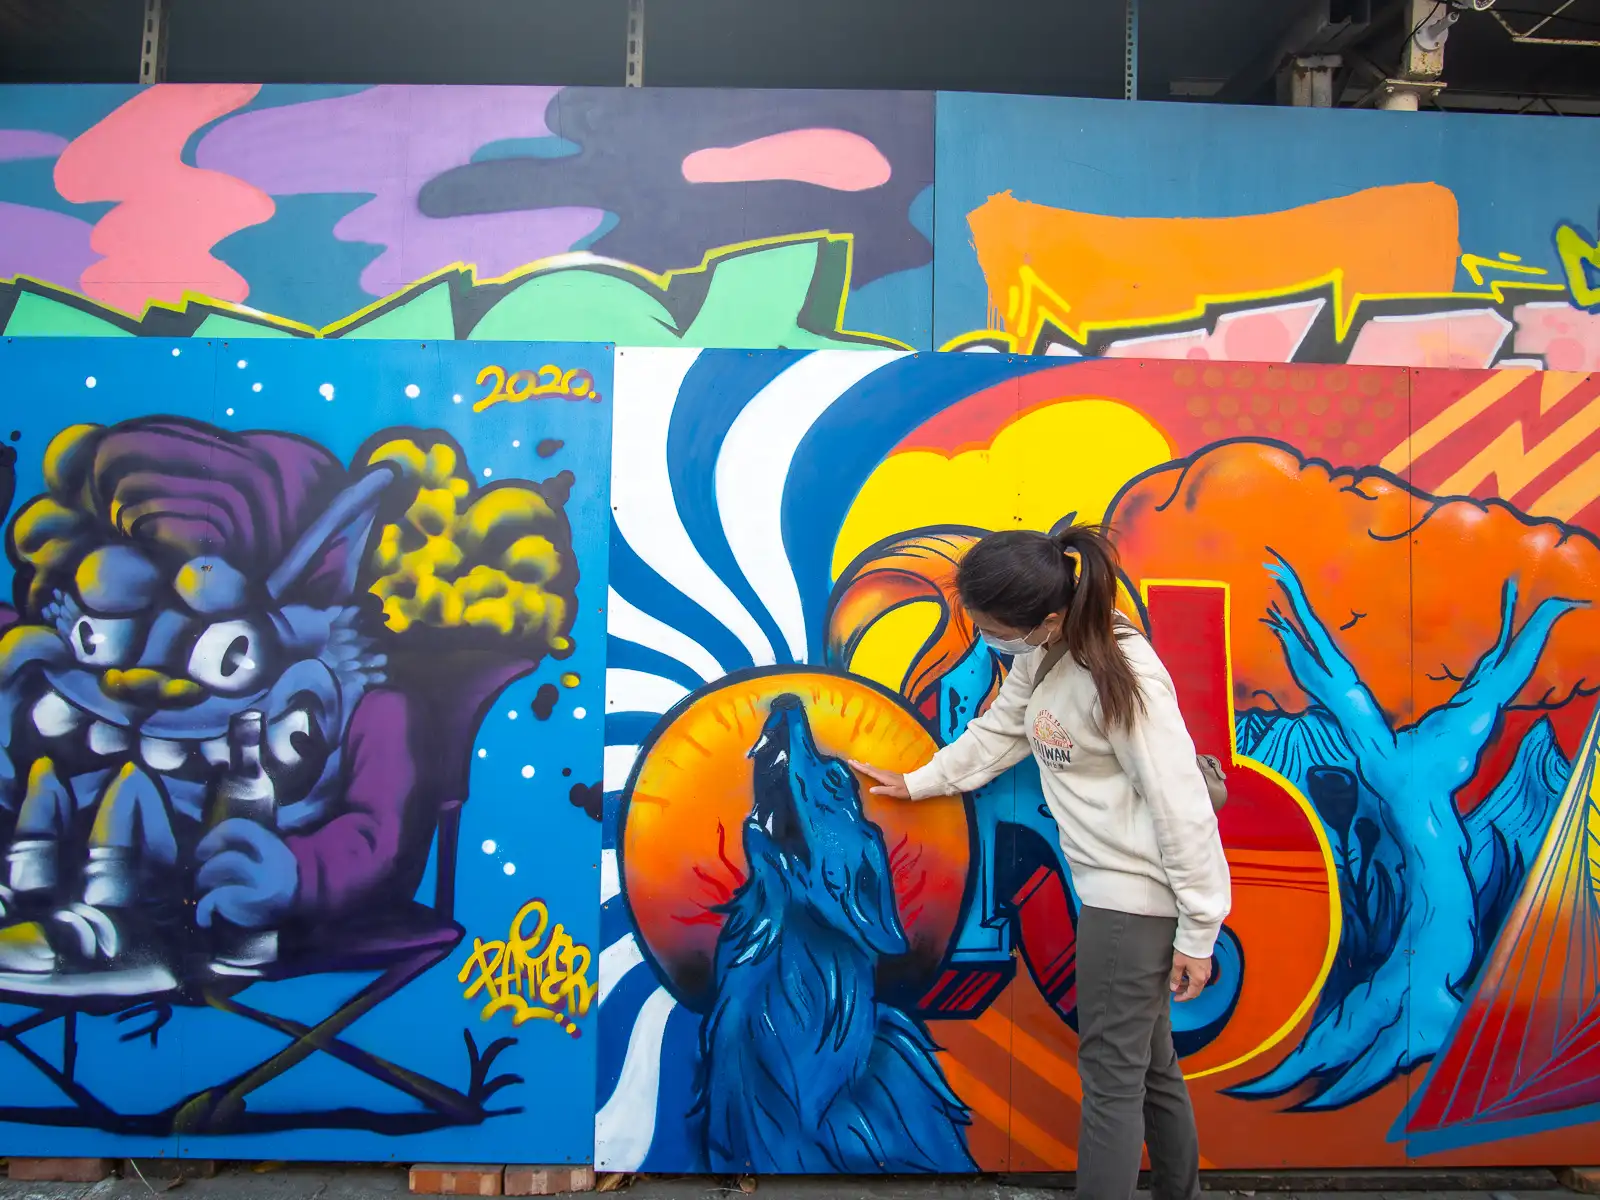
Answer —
(245, 792)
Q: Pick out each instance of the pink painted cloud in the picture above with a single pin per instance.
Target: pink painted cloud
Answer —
(830, 158)
(157, 241)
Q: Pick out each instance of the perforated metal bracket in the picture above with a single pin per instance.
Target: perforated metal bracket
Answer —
(634, 75)
(153, 43)
(1130, 50)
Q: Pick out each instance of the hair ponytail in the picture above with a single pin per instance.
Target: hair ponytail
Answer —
(1020, 577)
(1092, 618)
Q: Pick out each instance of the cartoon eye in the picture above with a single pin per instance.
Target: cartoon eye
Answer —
(102, 641)
(227, 657)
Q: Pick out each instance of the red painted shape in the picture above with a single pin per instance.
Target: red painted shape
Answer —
(1189, 629)
(1049, 938)
(967, 991)
(979, 1000)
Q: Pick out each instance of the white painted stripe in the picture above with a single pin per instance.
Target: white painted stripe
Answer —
(645, 383)
(616, 960)
(610, 877)
(626, 1126)
(630, 624)
(636, 691)
(618, 762)
(753, 466)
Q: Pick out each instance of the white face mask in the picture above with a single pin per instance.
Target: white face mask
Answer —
(1012, 646)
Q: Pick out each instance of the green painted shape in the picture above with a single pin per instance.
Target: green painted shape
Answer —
(220, 325)
(756, 299)
(39, 316)
(578, 305)
(427, 316)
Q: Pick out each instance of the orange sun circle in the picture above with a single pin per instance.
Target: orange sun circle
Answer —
(683, 815)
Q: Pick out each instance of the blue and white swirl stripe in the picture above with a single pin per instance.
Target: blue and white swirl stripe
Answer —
(732, 473)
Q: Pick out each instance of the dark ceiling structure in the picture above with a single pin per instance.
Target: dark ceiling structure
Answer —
(1501, 55)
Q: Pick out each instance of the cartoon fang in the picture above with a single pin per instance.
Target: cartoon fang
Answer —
(107, 739)
(162, 755)
(53, 716)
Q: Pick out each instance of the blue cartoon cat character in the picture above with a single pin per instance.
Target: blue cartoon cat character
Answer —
(187, 615)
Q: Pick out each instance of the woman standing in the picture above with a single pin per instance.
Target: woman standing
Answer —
(1119, 774)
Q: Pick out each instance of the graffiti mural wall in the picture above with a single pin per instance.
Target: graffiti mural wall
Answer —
(1375, 590)
(301, 747)
(1203, 231)
(800, 220)
(433, 213)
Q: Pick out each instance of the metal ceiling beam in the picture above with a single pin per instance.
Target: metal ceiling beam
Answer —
(1308, 81)
(1528, 37)
(1421, 55)
(1317, 27)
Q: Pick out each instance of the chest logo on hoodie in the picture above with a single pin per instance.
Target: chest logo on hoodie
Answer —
(1050, 741)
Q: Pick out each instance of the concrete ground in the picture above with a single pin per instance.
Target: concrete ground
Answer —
(245, 1182)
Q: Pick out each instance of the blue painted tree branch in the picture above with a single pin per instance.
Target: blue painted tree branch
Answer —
(1401, 1012)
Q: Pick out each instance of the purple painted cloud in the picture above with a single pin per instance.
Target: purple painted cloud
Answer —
(389, 141)
(29, 143)
(45, 245)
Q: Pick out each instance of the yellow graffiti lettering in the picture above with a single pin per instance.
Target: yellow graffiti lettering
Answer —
(1475, 265)
(548, 380)
(1578, 257)
(531, 983)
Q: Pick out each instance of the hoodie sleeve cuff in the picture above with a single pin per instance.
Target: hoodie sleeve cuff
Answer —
(1197, 941)
(926, 781)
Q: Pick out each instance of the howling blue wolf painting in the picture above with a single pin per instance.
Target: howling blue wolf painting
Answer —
(803, 1068)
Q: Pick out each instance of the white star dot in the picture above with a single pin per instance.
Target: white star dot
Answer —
(176, 352)
(527, 772)
(90, 382)
(580, 713)
(456, 399)
(512, 715)
(413, 391)
(243, 364)
(516, 444)
(255, 387)
(510, 868)
(488, 471)
(230, 412)
(326, 391)
(488, 845)
(483, 754)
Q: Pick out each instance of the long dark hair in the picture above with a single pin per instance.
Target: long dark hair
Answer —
(1019, 577)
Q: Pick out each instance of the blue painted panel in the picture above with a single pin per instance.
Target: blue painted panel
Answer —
(408, 585)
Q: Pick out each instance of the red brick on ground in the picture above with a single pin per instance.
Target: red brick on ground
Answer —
(548, 1181)
(1582, 1179)
(457, 1179)
(61, 1170)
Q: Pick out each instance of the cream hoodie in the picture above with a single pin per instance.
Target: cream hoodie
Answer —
(1136, 824)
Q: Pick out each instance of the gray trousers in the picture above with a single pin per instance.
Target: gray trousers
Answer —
(1133, 1089)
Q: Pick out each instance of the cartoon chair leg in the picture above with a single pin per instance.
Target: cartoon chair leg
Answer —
(219, 1109)
(32, 860)
(86, 947)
